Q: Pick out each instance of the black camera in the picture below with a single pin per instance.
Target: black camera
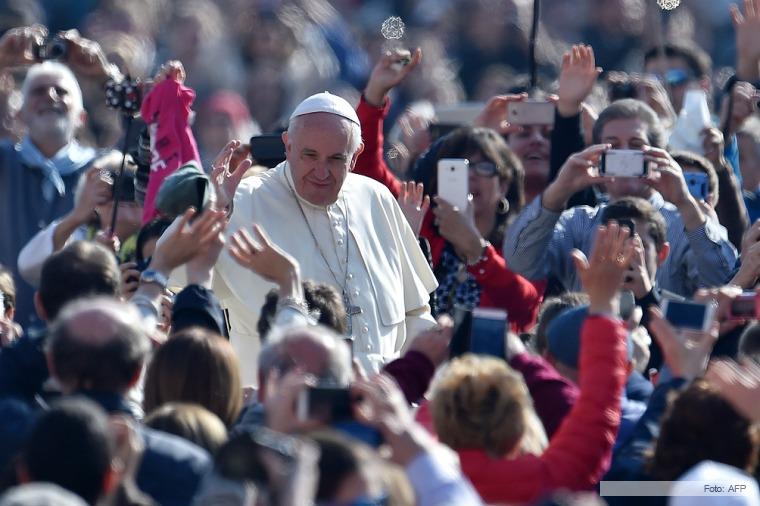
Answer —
(51, 49)
(124, 96)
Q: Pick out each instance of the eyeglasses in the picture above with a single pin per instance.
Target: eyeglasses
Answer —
(484, 168)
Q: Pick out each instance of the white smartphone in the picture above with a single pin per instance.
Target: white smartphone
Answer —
(453, 181)
(623, 163)
(530, 112)
(688, 314)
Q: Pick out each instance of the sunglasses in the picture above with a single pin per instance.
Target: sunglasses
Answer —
(484, 168)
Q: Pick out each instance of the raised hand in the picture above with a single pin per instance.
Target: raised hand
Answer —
(686, 358)
(414, 204)
(95, 192)
(17, 45)
(130, 279)
(722, 297)
(602, 275)
(667, 178)
(576, 79)
(263, 257)
(578, 172)
(226, 181)
(747, 28)
(738, 384)
(712, 144)
(637, 278)
(458, 227)
(86, 57)
(388, 73)
(744, 105)
(183, 240)
(494, 114)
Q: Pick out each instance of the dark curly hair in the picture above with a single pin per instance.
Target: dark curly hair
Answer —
(700, 425)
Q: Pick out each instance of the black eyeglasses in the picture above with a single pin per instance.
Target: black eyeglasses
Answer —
(484, 168)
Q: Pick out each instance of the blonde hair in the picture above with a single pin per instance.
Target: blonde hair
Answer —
(482, 403)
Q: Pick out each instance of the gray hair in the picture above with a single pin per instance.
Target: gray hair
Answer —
(629, 108)
(337, 370)
(57, 69)
(354, 132)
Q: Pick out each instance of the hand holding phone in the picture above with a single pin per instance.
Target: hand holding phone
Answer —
(745, 307)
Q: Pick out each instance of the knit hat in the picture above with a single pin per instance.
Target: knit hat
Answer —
(187, 187)
(563, 336)
(326, 102)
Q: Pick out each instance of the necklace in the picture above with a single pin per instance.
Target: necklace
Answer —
(351, 310)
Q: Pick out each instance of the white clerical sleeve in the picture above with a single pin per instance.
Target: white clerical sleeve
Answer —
(419, 280)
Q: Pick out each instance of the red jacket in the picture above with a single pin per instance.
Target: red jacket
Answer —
(579, 453)
(501, 288)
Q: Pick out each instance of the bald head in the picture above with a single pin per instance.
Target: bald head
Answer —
(97, 344)
(317, 350)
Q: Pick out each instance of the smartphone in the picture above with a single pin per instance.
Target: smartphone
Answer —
(745, 307)
(627, 305)
(325, 403)
(460, 339)
(488, 332)
(623, 163)
(689, 315)
(453, 181)
(697, 183)
(268, 149)
(530, 112)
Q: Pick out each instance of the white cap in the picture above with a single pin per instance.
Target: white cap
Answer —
(326, 102)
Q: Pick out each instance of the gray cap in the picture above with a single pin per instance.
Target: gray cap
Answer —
(187, 187)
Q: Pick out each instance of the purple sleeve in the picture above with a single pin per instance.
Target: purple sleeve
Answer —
(552, 394)
(413, 373)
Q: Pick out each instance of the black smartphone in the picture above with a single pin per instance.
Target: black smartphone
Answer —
(488, 332)
(268, 149)
(460, 341)
(325, 403)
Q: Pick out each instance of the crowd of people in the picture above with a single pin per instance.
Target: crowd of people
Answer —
(188, 319)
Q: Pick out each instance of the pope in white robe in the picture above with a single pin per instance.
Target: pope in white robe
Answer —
(345, 230)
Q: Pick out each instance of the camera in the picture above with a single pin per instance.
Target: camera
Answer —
(623, 163)
(51, 49)
(530, 112)
(124, 96)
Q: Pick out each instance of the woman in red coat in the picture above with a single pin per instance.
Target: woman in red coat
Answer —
(466, 249)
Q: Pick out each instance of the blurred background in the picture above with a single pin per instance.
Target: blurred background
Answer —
(251, 61)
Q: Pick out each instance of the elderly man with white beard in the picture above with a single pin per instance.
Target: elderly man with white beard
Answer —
(39, 174)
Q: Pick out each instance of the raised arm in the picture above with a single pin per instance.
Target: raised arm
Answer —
(388, 73)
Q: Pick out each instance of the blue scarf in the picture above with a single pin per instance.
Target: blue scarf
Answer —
(67, 160)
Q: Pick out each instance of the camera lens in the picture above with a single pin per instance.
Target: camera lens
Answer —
(56, 49)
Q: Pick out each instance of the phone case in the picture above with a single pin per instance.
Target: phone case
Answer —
(530, 112)
(453, 181)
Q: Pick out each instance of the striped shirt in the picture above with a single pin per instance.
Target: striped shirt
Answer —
(539, 243)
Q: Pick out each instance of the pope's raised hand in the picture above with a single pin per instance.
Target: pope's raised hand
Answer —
(263, 257)
(414, 204)
(225, 178)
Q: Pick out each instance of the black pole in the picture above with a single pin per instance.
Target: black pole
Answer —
(532, 45)
(119, 177)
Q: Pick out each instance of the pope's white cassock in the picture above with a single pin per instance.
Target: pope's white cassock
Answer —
(371, 251)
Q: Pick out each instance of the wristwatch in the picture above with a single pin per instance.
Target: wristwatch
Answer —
(155, 277)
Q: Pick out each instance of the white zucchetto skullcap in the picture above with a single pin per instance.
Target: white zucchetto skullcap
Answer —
(326, 102)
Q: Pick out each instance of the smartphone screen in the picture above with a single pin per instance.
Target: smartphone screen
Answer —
(530, 112)
(460, 340)
(489, 327)
(744, 306)
(325, 404)
(688, 315)
(697, 183)
(623, 163)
